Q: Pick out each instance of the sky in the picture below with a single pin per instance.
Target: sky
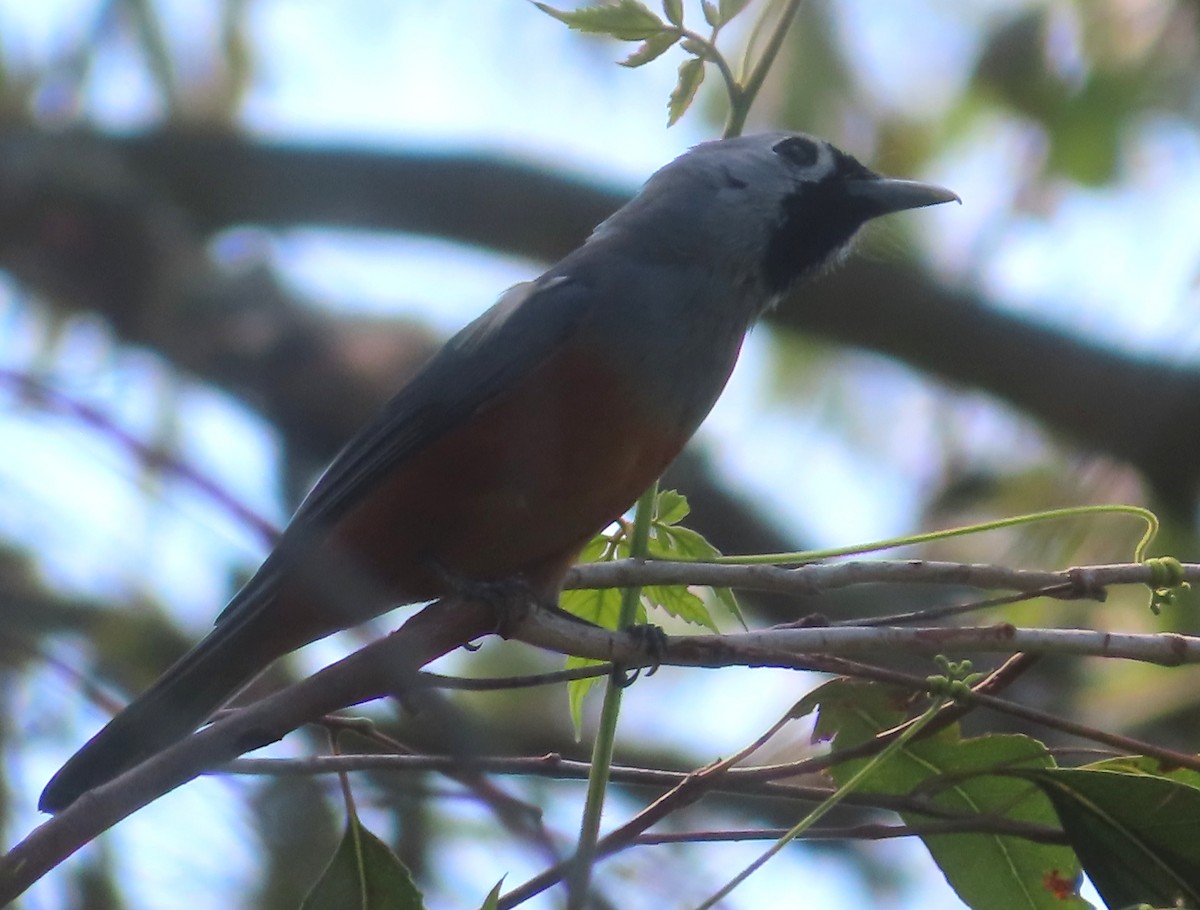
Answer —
(358, 71)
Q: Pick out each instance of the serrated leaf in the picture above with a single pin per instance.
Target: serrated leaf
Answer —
(988, 872)
(731, 8)
(1137, 835)
(625, 20)
(365, 874)
(673, 10)
(671, 507)
(677, 542)
(691, 74)
(651, 49)
(678, 601)
(711, 14)
(672, 541)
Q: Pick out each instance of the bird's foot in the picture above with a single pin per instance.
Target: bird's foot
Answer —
(511, 598)
(652, 641)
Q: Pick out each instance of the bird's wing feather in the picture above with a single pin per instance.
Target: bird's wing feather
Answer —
(524, 328)
(506, 343)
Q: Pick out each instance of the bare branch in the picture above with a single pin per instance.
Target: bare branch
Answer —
(816, 578)
(389, 666)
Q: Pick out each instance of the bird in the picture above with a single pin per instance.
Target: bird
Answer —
(535, 426)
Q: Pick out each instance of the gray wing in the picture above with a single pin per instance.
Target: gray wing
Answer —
(485, 358)
(497, 349)
(479, 363)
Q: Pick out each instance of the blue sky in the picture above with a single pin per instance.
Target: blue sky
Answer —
(1118, 264)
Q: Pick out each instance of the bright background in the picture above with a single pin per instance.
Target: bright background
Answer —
(1069, 130)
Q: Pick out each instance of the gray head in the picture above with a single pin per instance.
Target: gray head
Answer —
(767, 209)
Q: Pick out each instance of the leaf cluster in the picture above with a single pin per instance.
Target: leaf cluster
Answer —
(630, 20)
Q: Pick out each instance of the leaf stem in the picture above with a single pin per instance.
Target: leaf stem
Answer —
(714, 56)
(909, 732)
(739, 107)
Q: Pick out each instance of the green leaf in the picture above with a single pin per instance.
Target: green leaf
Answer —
(731, 8)
(726, 598)
(678, 601)
(711, 14)
(651, 49)
(598, 548)
(673, 10)
(601, 606)
(577, 690)
(988, 871)
(625, 20)
(1141, 764)
(363, 875)
(675, 542)
(691, 74)
(492, 901)
(671, 507)
(1138, 835)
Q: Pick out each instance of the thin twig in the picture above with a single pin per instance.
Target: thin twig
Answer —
(149, 456)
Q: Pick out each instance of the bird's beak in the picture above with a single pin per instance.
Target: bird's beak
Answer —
(883, 195)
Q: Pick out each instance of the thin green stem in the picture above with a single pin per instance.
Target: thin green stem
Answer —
(739, 108)
(715, 57)
(804, 556)
(606, 734)
(836, 797)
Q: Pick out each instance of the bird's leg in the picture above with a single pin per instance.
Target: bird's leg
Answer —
(512, 598)
(650, 639)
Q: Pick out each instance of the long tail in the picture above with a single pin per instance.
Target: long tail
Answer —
(238, 648)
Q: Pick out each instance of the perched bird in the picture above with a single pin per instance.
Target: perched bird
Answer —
(535, 426)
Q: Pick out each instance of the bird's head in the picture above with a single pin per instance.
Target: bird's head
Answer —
(770, 208)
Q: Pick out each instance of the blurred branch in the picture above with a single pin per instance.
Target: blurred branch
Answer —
(514, 207)
(151, 457)
(375, 671)
(1144, 411)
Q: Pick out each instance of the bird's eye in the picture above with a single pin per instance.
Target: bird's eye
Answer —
(798, 150)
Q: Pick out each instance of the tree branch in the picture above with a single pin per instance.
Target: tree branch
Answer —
(816, 578)
(382, 668)
(388, 667)
(1141, 410)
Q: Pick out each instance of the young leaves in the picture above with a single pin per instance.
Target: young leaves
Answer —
(668, 540)
(625, 20)
(630, 20)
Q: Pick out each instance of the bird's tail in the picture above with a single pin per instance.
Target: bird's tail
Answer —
(185, 696)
